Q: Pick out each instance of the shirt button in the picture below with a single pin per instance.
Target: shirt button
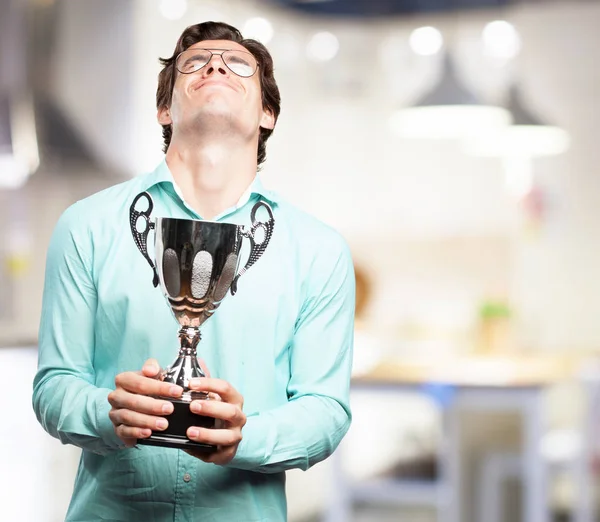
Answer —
(187, 477)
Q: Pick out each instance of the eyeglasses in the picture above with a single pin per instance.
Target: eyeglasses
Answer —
(239, 62)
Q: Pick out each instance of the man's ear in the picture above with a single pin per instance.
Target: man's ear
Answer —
(268, 120)
(164, 116)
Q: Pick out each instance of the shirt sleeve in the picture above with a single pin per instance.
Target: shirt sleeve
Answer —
(309, 427)
(65, 399)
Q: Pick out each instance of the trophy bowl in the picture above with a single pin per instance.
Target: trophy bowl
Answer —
(196, 266)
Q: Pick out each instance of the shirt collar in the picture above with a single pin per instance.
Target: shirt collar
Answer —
(162, 174)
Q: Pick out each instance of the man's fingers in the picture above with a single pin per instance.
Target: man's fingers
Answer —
(227, 392)
(214, 437)
(137, 420)
(129, 442)
(220, 456)
(120, 398)
(227, 412)
(130, 434)
(136, 383)
(199, 454)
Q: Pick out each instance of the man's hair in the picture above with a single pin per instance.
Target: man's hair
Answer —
(220, 31)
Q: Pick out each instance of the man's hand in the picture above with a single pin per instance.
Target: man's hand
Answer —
(133, 413)
(230, 419)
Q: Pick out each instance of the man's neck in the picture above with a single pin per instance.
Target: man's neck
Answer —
(212, 177)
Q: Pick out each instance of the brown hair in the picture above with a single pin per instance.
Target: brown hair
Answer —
(271, 99)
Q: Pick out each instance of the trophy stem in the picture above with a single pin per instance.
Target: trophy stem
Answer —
(186, 366)
(189, 337)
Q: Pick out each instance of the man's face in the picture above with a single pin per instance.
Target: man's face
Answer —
(216, 96)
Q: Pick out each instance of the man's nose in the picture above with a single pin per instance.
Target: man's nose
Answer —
(215, 64)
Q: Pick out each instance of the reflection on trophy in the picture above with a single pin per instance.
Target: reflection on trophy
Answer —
(196, 265)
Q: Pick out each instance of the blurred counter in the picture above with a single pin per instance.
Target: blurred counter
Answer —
(518, 371)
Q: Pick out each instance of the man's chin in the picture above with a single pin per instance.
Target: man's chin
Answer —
(215, 120)
(216, 103)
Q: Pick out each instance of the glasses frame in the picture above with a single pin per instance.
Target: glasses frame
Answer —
(211, 57)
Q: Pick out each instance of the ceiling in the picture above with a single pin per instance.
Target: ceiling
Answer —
(368, 8)
(375, 8)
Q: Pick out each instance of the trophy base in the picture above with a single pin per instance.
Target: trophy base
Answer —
(167, 441)
(179, 422)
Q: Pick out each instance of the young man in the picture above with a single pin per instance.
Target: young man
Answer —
(279, 351)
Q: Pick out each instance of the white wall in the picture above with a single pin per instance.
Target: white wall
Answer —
(37, 471)
(557, 277)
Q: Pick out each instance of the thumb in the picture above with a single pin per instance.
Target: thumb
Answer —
(151, 368)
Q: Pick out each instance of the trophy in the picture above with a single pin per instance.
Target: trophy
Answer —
(196, 265)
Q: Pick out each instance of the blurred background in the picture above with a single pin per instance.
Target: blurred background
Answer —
(454, 145)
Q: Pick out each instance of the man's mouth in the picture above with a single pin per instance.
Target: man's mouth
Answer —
(211, 83)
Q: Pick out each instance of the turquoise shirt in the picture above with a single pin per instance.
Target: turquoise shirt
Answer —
(284, 341)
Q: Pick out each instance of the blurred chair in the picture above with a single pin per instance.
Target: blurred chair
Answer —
(571, 450)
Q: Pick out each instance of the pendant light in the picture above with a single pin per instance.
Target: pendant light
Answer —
(448, 111)
(528, 136)
(518, 144)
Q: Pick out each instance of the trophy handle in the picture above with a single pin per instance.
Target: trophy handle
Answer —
(256, 249)
(141, 238)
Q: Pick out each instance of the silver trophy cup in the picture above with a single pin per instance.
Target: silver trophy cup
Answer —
(196, 265)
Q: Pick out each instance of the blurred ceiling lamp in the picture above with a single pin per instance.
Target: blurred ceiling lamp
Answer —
(19, 155)
(322, 47)
(173, 9)
(501, 40)
(259, 29)
(448, 111)
(426, 41)
(527, 136)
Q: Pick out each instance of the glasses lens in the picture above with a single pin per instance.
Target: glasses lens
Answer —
(192, 60)
(241, 63)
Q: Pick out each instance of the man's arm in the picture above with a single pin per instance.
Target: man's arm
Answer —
(65, 399)
(310, 426)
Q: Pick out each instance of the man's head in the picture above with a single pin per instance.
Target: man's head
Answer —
(226, 44)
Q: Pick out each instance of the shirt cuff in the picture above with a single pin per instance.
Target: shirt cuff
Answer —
(267, 448)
